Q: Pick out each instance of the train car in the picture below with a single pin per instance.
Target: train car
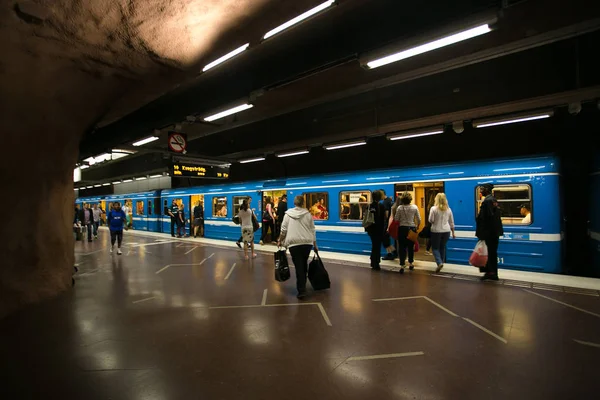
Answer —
(337, 203)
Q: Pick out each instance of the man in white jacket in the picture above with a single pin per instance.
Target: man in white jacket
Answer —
(299, 235)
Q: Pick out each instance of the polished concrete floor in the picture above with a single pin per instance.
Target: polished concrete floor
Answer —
(178, 320)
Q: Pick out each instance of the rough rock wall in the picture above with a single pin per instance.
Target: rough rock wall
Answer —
(66, 65)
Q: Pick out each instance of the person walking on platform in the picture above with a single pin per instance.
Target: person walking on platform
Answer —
(116, 221)
(97, 212)
(377, 229)
(173, 214)
(442, 223)
(85, 219)
(245, 215)
(386, 240)
(199, 219)
(489, 229)
(409, 219)
(299, 235)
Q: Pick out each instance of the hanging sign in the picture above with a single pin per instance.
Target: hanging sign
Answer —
(177, 142)
(191, 170)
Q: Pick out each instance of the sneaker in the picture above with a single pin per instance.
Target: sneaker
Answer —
(261, 243)
(238, 244)
(95, 236)
(411, 267)
(119, 252)
(401, 269)
(428, 253)
(301, 295)
(389, 256)
(439, 268)
(111, 250)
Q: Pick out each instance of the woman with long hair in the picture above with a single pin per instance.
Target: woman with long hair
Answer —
(245, 215)
(409, 219)
(442, 223)
(268, 220)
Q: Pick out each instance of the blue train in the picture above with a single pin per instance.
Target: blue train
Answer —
(337, 203)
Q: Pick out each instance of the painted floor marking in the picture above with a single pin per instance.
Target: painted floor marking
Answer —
(154, 243)
(319, 306)
(449, 312)
(93, 252)
(230, 271)
(380, 356)
(587, 343)
(264, 299)
(211, 255)
(500, 338)
(192, 249)
(563, 303)
(178, 265)
(142, 300)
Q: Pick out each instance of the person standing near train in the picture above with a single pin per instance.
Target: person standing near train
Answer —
(409, 219)
(199, 219)
(173, 213)
(377, 229)
(489, 229)
(442, 224)
(97, 213)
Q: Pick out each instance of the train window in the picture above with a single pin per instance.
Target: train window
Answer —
(166, 208)
(317, 204)
(237, 202)
(514, 201)
(139, 207)
(354, 204)
(219, 207)
(157, 206)
(149, 207)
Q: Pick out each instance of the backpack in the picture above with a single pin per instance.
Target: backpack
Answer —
(368, 218)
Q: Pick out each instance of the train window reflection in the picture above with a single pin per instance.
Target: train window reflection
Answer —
(317, 204)
(354, 204)
(237, 202)
(514, 201)
(219, 207)
(139, 207)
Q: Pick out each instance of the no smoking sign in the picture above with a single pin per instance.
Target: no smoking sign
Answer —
(177, 142)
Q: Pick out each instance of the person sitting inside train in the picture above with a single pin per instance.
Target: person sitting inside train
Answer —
(526, 213)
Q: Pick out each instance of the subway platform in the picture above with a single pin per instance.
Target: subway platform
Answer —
(191, 319)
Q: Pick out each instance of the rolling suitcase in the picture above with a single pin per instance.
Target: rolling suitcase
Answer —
(317, 274)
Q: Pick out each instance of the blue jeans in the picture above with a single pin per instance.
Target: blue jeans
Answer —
(438, 244)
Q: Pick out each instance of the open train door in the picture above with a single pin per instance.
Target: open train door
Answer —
(272, 197)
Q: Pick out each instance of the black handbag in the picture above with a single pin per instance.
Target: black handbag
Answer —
(317, 274)
(236, 219)
(255, 224)
(282, 268)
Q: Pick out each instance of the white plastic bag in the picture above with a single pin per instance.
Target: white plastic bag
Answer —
(479, 256)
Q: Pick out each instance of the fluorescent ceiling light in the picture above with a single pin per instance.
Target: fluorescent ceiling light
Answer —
(299, 18)
(156, 176)
(127, 180)
(106, 184)
(97, 185)
(436, 44)
(116, 182)
(251, 160)
(89, 187)
(84, 167)
(225, 113)
(146, 140)
(225, 57)
(294, 153)
(141, 178)
(409, 135)
(344, 145)
(511, 119)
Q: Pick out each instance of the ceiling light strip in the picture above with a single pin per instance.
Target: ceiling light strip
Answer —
(484, 123)
(225, 57)
(436, 44)
(293, 153)
(145, 141)
(345, 145)
(414, 134)
(241, 107)
(299, 18)
(251, 160)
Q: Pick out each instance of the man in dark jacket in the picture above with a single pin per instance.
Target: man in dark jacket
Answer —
(85, 217)
(489, 229)
(282, 207)
(377, 229)
(199, 219)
